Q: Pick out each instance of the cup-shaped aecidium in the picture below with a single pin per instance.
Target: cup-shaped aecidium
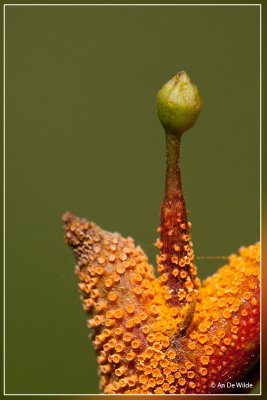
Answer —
(179, 104)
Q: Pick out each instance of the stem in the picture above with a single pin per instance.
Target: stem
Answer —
(173, 187)
(174, 223)
(176, 261)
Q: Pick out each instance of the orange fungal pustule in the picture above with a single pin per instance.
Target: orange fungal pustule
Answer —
(147, 349)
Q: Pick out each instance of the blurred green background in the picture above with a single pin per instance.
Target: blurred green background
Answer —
(82, 135)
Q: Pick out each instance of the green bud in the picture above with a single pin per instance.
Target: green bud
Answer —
(179, 104)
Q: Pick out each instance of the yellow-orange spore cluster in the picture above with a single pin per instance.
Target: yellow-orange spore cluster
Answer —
(139, 335)
(223, 339)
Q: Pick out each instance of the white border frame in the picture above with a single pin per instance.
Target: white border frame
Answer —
(4, 181)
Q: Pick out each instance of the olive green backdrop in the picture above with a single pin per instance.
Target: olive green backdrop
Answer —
(82, 135)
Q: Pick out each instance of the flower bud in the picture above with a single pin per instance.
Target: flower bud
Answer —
(179, 104)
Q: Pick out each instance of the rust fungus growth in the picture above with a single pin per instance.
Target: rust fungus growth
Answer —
(171, 334)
